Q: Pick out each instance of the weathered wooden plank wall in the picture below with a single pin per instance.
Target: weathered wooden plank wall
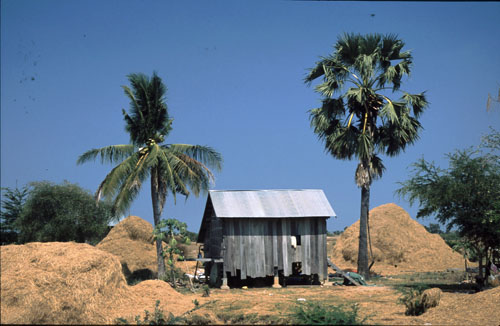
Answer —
(257, 246)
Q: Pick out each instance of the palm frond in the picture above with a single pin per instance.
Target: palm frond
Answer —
(108, 154)
(129, 186)
(109, 186)
(203, 154)
(315, 72)
(148, 117)
(418, 102)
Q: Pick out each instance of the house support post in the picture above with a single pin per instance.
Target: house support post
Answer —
(224, 285)
(276, 284)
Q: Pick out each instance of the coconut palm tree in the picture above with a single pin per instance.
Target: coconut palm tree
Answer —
(172, 168)
(357, 118)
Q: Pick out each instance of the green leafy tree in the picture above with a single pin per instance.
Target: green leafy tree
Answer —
(171, 231)
(174, 168)
(434, 228)
(12, 207)
(464, 196)
(358, 119)
(63, 212)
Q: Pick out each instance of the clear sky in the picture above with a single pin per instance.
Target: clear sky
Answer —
(234, 72)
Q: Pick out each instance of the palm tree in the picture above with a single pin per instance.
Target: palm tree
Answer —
(174, 168)
(357, 118)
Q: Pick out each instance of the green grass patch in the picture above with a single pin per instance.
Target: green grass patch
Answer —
(319, 313)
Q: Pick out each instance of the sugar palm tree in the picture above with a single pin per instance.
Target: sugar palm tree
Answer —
(172, 168)
(357, 118)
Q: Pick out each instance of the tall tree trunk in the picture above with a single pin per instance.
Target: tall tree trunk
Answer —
(363, 232)
(155, 197)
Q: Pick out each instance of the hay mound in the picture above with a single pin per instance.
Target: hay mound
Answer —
(58, 283)
(131, 241)
(466, 309)
(74, 283)
(143, 296)
(399, 243)
(430, 298)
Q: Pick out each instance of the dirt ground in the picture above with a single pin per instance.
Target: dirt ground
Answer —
(378, 303)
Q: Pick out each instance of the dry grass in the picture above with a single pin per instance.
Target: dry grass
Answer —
(63, 283)
(131, 241)
(58, 283)
(73, 283)
(466, 309)
(431, 298)
(399, 244)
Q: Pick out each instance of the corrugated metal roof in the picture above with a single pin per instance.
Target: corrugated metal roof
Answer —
(270, 203)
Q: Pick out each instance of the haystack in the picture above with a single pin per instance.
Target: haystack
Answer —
(399, 243)
(131, 241)
(74, 283)
(58, 283)
(465, 309)
(431, 297)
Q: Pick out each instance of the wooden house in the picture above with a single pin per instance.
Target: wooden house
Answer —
(261, 233)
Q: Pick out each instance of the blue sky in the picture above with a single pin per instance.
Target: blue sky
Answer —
(234, 72)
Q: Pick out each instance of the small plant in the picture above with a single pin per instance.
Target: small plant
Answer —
(198, 320)
(196, 303)
(157, 318)
(315, 313)
(206, 291)
(173, 229)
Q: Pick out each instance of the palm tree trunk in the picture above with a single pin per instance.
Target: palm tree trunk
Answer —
(155, 197)
(363, 232)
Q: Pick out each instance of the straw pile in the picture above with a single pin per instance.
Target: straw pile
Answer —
(399, 243)
(74, 283)
(465, 309)
(131, 241)
(430, 298)
(58, 283)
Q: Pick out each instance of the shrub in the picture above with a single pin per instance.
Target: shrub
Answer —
(176, 274)
(157, 318)
(206, 291)
(315, 313)
(62, 212)
(198, 320)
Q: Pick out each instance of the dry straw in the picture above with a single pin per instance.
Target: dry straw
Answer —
(481, 308)
(132, 241)
(58, 283)
(73, 283)
(430, 298)
(400, 244)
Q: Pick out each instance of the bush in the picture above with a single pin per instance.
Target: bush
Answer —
(64, 212)
(198, 320)
(206, 291)
(314, 313)
(173, 275)
(157, 318)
